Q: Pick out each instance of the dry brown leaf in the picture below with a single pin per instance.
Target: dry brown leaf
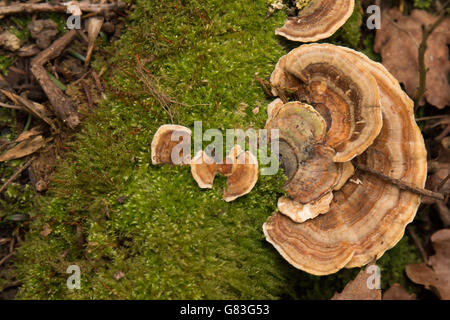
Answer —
(94, 27)
(358, 288)
(29, 134)
(23, 149)
(436, 278)
(397, 292)
(398, 41)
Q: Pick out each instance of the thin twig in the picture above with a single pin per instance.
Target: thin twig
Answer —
(98, 83)
(265, 85)
(5, 258)
(10, 106)
(443, 134)
(443, 182)
(87, 92)
(422, 50)
(401, 184)
(16, 175)
(149, 80)
(418, 243)
(431, 118)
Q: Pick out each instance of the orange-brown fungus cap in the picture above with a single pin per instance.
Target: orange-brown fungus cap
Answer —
(203, 170)
(243, 176)
(339, 84)
(369, 217)
(240, 168)
(162, 144)
(318, 20)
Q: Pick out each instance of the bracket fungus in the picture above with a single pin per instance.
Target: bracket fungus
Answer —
(240, 168)
(243, 175)
(318, 20)
(340, 223)
(163, 144)
(171, 144)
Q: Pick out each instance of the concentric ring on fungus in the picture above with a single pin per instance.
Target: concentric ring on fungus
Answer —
(320, 19)
(367, 215)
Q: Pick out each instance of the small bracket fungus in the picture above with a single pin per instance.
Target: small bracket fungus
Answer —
(319, 19)
(240, 168)
(243, 175)
(340, 223)
(203, 170)
(172, 145)
(168, 137)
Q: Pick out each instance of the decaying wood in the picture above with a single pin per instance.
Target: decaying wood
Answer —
(401, 184)
(85, 6)
(64, 107)
(35, 109)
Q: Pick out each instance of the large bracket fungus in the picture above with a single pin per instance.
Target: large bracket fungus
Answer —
(319, 19)
(328, 220)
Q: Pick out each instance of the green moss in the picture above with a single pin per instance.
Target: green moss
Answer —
(110, 210)
(393, 262)
(349, 34)
(368, 48)
(5, 63)
(422, 4)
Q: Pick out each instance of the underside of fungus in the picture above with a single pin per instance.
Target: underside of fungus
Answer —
(333, 215)
(318, 20)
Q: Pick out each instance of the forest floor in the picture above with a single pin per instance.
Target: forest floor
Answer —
(139, 231)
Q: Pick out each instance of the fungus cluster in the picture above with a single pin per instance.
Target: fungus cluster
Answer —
(316, 20)
(172, 144)
(348, 111)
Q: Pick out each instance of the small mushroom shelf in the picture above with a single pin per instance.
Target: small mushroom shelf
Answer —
(316, 20)
(240, 167)
(348, 111)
